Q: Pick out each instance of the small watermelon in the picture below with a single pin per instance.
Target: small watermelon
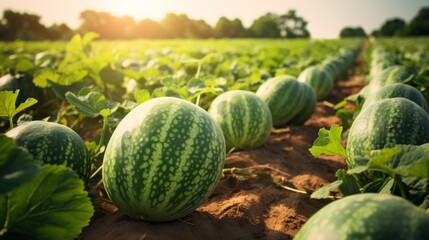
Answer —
(244, 118)
(53, 143)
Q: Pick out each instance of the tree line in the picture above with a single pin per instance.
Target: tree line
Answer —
(395, 27)
(26, 26)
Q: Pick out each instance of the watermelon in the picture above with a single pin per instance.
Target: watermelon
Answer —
(308, 105)
(53, 143)
(284, 96)
(367, 216)
(398, 90)
(387, 121)
(319, 79)
(163, 160)
(391, 75)
(244, 118)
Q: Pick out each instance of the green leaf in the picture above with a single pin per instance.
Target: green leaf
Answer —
(17, 166)
(387, 186)
(28, 103)
(92, 104)
(349, 184)
(8, 103)
(142, 95)
(325, 191)
(24, 65)
(53, 205)
(129, 105)
(44, 76)
(405, 160)
(329, 142)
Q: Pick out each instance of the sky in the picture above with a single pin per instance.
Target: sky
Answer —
(325, 17)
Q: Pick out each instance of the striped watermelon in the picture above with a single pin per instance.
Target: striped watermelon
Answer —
(308, 105)
(163, 160)
(244, 118)
(398, 90)
(388, 76)
(284, 96)
(319, 79)
(367, 216)
(53, 143)
(387, 121)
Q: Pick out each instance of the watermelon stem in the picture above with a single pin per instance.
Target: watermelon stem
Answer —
(96, 171)
(103, 133)
(10, 122)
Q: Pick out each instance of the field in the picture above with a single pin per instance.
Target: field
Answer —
(264, 192)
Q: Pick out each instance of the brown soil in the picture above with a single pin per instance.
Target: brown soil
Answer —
(248, 202)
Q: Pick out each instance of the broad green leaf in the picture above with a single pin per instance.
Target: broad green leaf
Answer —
(325, 191)
(412, 161)
(17, 166)
(54, 205)
(91, 104)
(405, 160)
(44, 76)
(28, 103)
(129, 105)
(89, 37)
(142, 95)
(24, 65)
(7, 102)
(329, 142)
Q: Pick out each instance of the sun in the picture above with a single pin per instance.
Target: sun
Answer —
(138, 9)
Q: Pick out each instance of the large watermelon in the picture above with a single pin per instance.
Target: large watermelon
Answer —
(367, 216)
(163, 160)
(308, 105)
(398, 90)
(244, 118)
(319, 79)
(284, 96)
(387, 121)
(53, 143)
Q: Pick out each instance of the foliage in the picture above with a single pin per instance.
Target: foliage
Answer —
(399, 169)
(352, 32)
(8, 103)
(26, 26)
(39, 202)
(16, 165)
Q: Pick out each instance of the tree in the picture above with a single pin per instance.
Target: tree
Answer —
(293, 26)
(392, 27)
(176, 26)
(22, 26)
(419, 25)
(149, 29)
(200, 29)
(226, 28)
(59, 32)
(265, 26)
(107, 25)
(348, 32)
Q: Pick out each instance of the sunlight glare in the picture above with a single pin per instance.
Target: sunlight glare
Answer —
(138, 9)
